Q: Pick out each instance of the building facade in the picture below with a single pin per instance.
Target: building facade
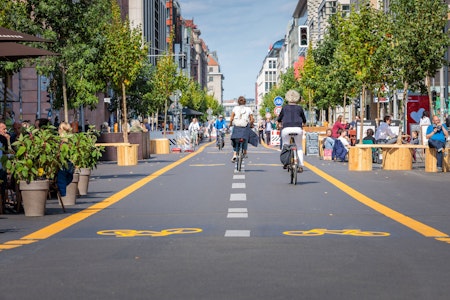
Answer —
(215, 77)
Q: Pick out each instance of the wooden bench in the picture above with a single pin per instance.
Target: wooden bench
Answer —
(127, 154)
(431, 160)
(395, 156)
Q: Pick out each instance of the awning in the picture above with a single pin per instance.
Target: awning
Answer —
(187, 112)
(191, 112)
(8, 35)
(14, 51)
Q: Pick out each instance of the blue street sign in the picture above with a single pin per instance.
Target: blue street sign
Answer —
(278, 101)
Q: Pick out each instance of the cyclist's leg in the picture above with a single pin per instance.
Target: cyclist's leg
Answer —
(235, 144)
(298, 141)
(244, 147)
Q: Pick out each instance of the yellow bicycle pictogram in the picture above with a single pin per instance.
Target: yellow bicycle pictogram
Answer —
(322, 231)
(140, 233)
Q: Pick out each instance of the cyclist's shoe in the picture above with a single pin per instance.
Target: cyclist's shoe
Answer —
(233, 160)
(300, 169)
(285, 167)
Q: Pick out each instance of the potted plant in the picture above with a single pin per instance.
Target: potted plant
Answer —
(84, 154)
(38, 156)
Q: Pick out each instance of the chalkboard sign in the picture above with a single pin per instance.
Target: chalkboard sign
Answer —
(312, 143)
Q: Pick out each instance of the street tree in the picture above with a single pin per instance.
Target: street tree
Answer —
(123, 57)
(419, 41)
(75, 27)
(362, 40)
(165, 81)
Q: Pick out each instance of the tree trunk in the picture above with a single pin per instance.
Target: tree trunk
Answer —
(345, 103)
(402, 115)
(430, 96)
(5, 93)
(124, 115)
(363, 108)
(64, 90)
(165, 117)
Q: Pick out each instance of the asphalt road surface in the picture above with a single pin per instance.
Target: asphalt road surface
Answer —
(188, 226)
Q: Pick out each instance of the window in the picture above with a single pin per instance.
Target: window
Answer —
(210, 79)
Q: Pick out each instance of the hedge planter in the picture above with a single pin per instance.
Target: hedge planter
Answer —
(34, 197)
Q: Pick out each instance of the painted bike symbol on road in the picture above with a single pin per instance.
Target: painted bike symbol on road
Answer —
(322, 231)
(139, 233)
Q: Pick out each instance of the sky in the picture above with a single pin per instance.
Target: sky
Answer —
(241, 32)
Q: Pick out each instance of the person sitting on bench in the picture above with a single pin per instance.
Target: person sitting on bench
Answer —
(437, 134)
(384, 134)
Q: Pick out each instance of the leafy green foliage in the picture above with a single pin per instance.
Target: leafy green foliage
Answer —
(39, 155)
(123, 56)
(83, 152)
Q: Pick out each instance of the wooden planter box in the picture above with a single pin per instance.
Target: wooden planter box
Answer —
(360, 159)
(160, 146)
(140, 138)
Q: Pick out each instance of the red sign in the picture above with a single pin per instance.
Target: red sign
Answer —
(415, 107)
(277, 110)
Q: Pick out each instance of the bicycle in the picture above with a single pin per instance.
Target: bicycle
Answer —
(293, 166)
(240, 153)
(194, 139)
(220, 139)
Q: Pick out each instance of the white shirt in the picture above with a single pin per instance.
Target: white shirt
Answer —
(425, 121)
(194, 127)
(344, 142)
(384, 132)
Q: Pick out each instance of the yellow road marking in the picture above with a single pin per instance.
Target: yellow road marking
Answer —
(65, 223)
(409, 222)
(139, 233)
(322, 231)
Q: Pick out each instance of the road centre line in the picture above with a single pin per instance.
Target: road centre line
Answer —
(409, 222)
(238, 197)
(65, 223)
(237, 233)
(238, 185)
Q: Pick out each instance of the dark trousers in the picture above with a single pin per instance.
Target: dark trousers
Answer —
(268, 137)
(261, 136)
(439, 155)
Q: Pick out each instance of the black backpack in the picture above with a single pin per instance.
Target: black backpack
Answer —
(285, 154)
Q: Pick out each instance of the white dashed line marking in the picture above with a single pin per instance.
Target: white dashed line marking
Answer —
(238, 197)
(237, 233)
(238, 185)
(237, 213)
(238, 177)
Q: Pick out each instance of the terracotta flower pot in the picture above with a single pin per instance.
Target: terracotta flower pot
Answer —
(34, 197)
(83, 182)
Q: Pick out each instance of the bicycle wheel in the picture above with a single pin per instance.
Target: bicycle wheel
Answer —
(220, 143)
(239, 158)
(293, 167)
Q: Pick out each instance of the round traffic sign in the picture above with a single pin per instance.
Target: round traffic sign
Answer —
(278, 101)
